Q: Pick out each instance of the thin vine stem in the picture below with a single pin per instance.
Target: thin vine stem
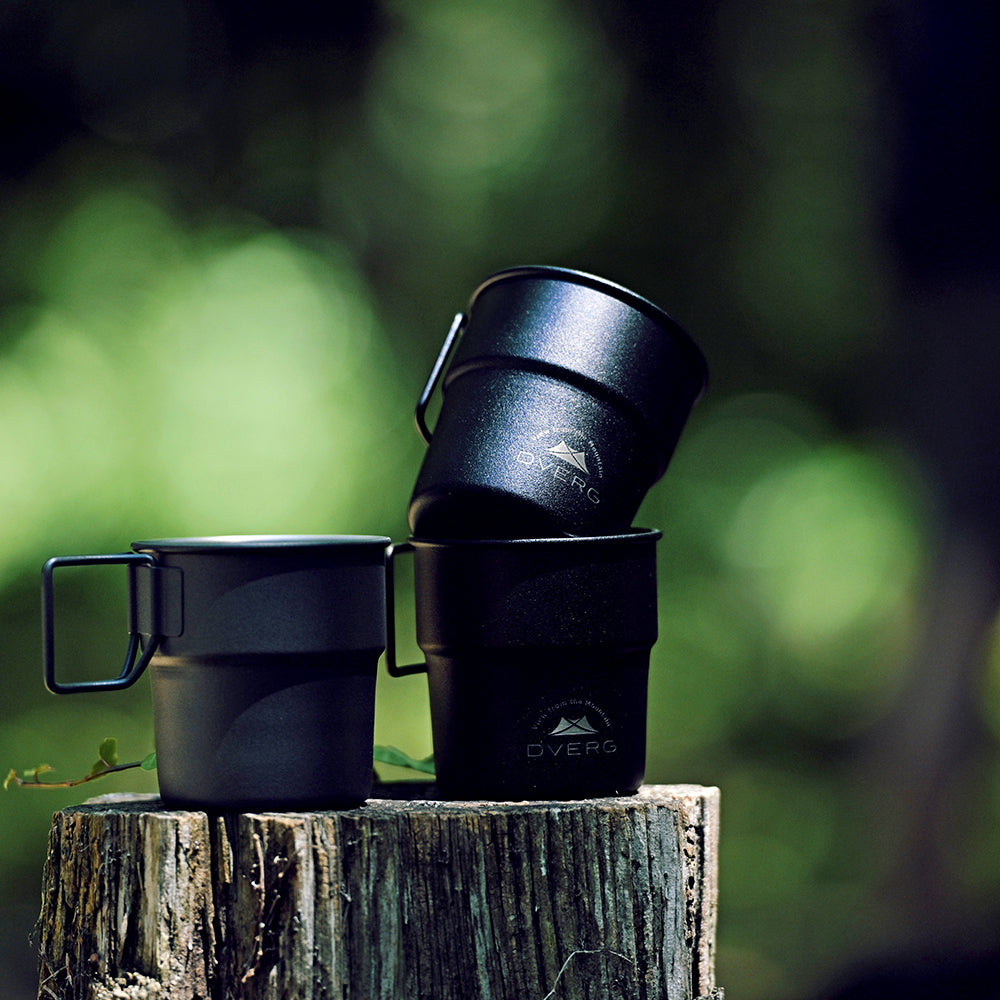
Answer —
(13, 778)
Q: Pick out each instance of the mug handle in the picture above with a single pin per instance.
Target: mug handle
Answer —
(420, 413)
(395, 669)
(133, 667)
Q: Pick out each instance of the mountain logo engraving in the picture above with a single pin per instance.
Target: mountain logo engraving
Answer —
(577, 459)
(573, 727)
(583, 733)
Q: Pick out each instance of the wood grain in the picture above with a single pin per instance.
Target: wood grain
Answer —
(402, 898)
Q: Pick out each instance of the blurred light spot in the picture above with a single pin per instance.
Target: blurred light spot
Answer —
(266, 364)
(497, 117)
(468, 91)
(725, 451)
(64, 443)
(203, 381)
(827, 543)
(109, 257)
(791, 581)
(24, 446)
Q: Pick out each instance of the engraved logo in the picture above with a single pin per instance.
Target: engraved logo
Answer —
(568, 457)
(568, 454)
(571, 729)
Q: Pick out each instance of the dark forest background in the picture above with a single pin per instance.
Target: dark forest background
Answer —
(232, 237)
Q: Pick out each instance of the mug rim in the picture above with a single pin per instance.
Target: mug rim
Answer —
(254, 543)
(632, 535)
(638, 302)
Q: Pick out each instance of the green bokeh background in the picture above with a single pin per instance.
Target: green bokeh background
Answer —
(232, 241)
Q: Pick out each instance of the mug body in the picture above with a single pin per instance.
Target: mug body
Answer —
(537, 657)
(263, 682)
(264, 731)
(562, 404)
(522, 454)
(557, 724)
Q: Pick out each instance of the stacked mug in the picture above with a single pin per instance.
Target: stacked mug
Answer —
(562, 399)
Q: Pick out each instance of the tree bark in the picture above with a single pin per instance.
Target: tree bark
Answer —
(402, 898)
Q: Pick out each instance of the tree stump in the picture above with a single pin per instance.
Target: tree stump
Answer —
(398, 899)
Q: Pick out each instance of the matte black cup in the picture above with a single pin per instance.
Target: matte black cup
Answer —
(263, 653)
(537, 656)
(562, 404)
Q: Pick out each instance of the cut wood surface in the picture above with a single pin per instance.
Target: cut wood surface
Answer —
(401, 898)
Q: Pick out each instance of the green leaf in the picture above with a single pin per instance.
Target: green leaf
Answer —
(148, 763)
(11, 777)
(396, 757)
(109, 751)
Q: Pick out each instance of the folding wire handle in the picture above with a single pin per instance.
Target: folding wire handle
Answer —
(395, 669)
(420, 414)
(139, 653)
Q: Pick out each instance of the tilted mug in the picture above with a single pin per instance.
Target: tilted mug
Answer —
(563, 397)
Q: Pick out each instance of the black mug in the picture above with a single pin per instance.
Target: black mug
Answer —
(263, 652)
(537, 656)
(562, 404)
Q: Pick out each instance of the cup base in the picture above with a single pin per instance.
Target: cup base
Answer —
(569, 724)
(477, 792)
(263, 733)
